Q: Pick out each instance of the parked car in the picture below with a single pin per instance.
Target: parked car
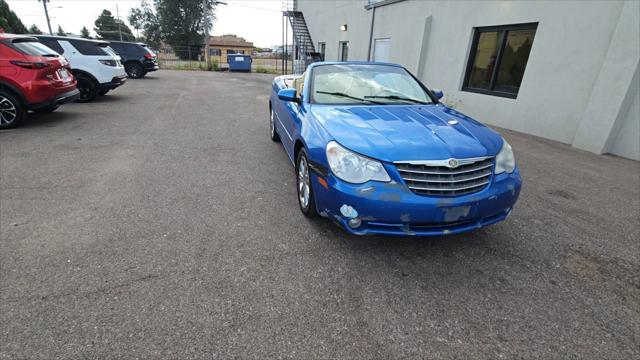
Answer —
(137, 58)
(96, 67)
(375, 151)
(32, 77)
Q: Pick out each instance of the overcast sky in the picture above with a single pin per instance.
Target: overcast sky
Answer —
(259, 21)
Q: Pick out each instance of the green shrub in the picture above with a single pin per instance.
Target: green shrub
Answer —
(262, 70)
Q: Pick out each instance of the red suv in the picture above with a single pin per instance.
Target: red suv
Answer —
(32, 77)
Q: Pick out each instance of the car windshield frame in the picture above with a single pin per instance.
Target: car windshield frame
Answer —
(429, 99)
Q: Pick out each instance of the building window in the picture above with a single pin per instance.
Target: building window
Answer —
(322, 49)
(381, 50)
(215, 52)
(498, 58)
(344, 51)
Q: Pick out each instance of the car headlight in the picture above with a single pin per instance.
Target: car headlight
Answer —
(505, 161)
(352, 167)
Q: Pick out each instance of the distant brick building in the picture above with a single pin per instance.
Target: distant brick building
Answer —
(229, 44)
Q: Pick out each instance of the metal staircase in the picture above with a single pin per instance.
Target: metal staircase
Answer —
(305, 52)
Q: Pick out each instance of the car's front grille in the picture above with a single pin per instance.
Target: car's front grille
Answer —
(436, 179)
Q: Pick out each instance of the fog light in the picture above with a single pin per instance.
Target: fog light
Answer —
(354, 223)
(348, 212)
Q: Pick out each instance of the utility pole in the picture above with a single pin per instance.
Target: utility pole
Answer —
(205, 17)
(46, 14)
(118, 15)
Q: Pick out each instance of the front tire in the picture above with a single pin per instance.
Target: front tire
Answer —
(88, 89)
(306, 198)
(272, 126)
(134, 70)
(11, 111)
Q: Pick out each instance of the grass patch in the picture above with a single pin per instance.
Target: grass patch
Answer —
(264, 70)
(190, 65)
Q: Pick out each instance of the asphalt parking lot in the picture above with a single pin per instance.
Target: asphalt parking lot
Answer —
(161, 221)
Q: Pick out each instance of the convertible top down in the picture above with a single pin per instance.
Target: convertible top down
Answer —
(375, 151)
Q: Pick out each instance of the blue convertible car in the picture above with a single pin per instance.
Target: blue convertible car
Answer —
(375, 151)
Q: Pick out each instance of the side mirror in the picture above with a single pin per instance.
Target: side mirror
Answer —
(288, 95)
(438, 93)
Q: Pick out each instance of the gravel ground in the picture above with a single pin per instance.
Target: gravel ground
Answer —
(161, 222)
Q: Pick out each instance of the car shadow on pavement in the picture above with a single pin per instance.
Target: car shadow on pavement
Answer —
(480, 255)
(47, 119)
(106, 99)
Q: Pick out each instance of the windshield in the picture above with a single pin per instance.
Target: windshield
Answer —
(366, 84)
(33, 48)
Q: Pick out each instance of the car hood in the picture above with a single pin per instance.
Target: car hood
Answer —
(397, 133)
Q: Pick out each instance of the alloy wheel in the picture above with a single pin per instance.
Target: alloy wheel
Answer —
(133, 71)
(84, 91)
(303, 183)
(8, 112)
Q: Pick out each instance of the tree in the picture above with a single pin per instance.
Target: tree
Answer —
(9, 21)
(33, 29)
(84, 32)
(183, 24)
(136, 19)
(60, 32)
(144, 17)
(109, 28)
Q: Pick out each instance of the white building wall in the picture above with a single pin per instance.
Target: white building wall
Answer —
(324, 19)
(615, 87)
(572, 43)
(627, 140)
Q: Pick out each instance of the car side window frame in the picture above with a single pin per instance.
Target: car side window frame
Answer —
(57, 47)
(117, 47)
(68, 47)
(72, 41)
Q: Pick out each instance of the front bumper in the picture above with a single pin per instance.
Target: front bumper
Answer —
(393, 209)
(114, 83)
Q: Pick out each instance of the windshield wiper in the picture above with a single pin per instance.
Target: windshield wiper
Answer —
(50, 55)
(396, 97)
(348, 97)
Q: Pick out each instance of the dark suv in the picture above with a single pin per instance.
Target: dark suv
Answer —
(137, 58)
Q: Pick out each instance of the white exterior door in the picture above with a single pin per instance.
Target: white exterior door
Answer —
(381, 50)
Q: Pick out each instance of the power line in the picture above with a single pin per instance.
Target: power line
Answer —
(253, 7)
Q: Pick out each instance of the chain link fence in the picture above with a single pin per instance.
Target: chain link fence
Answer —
(193, 59)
